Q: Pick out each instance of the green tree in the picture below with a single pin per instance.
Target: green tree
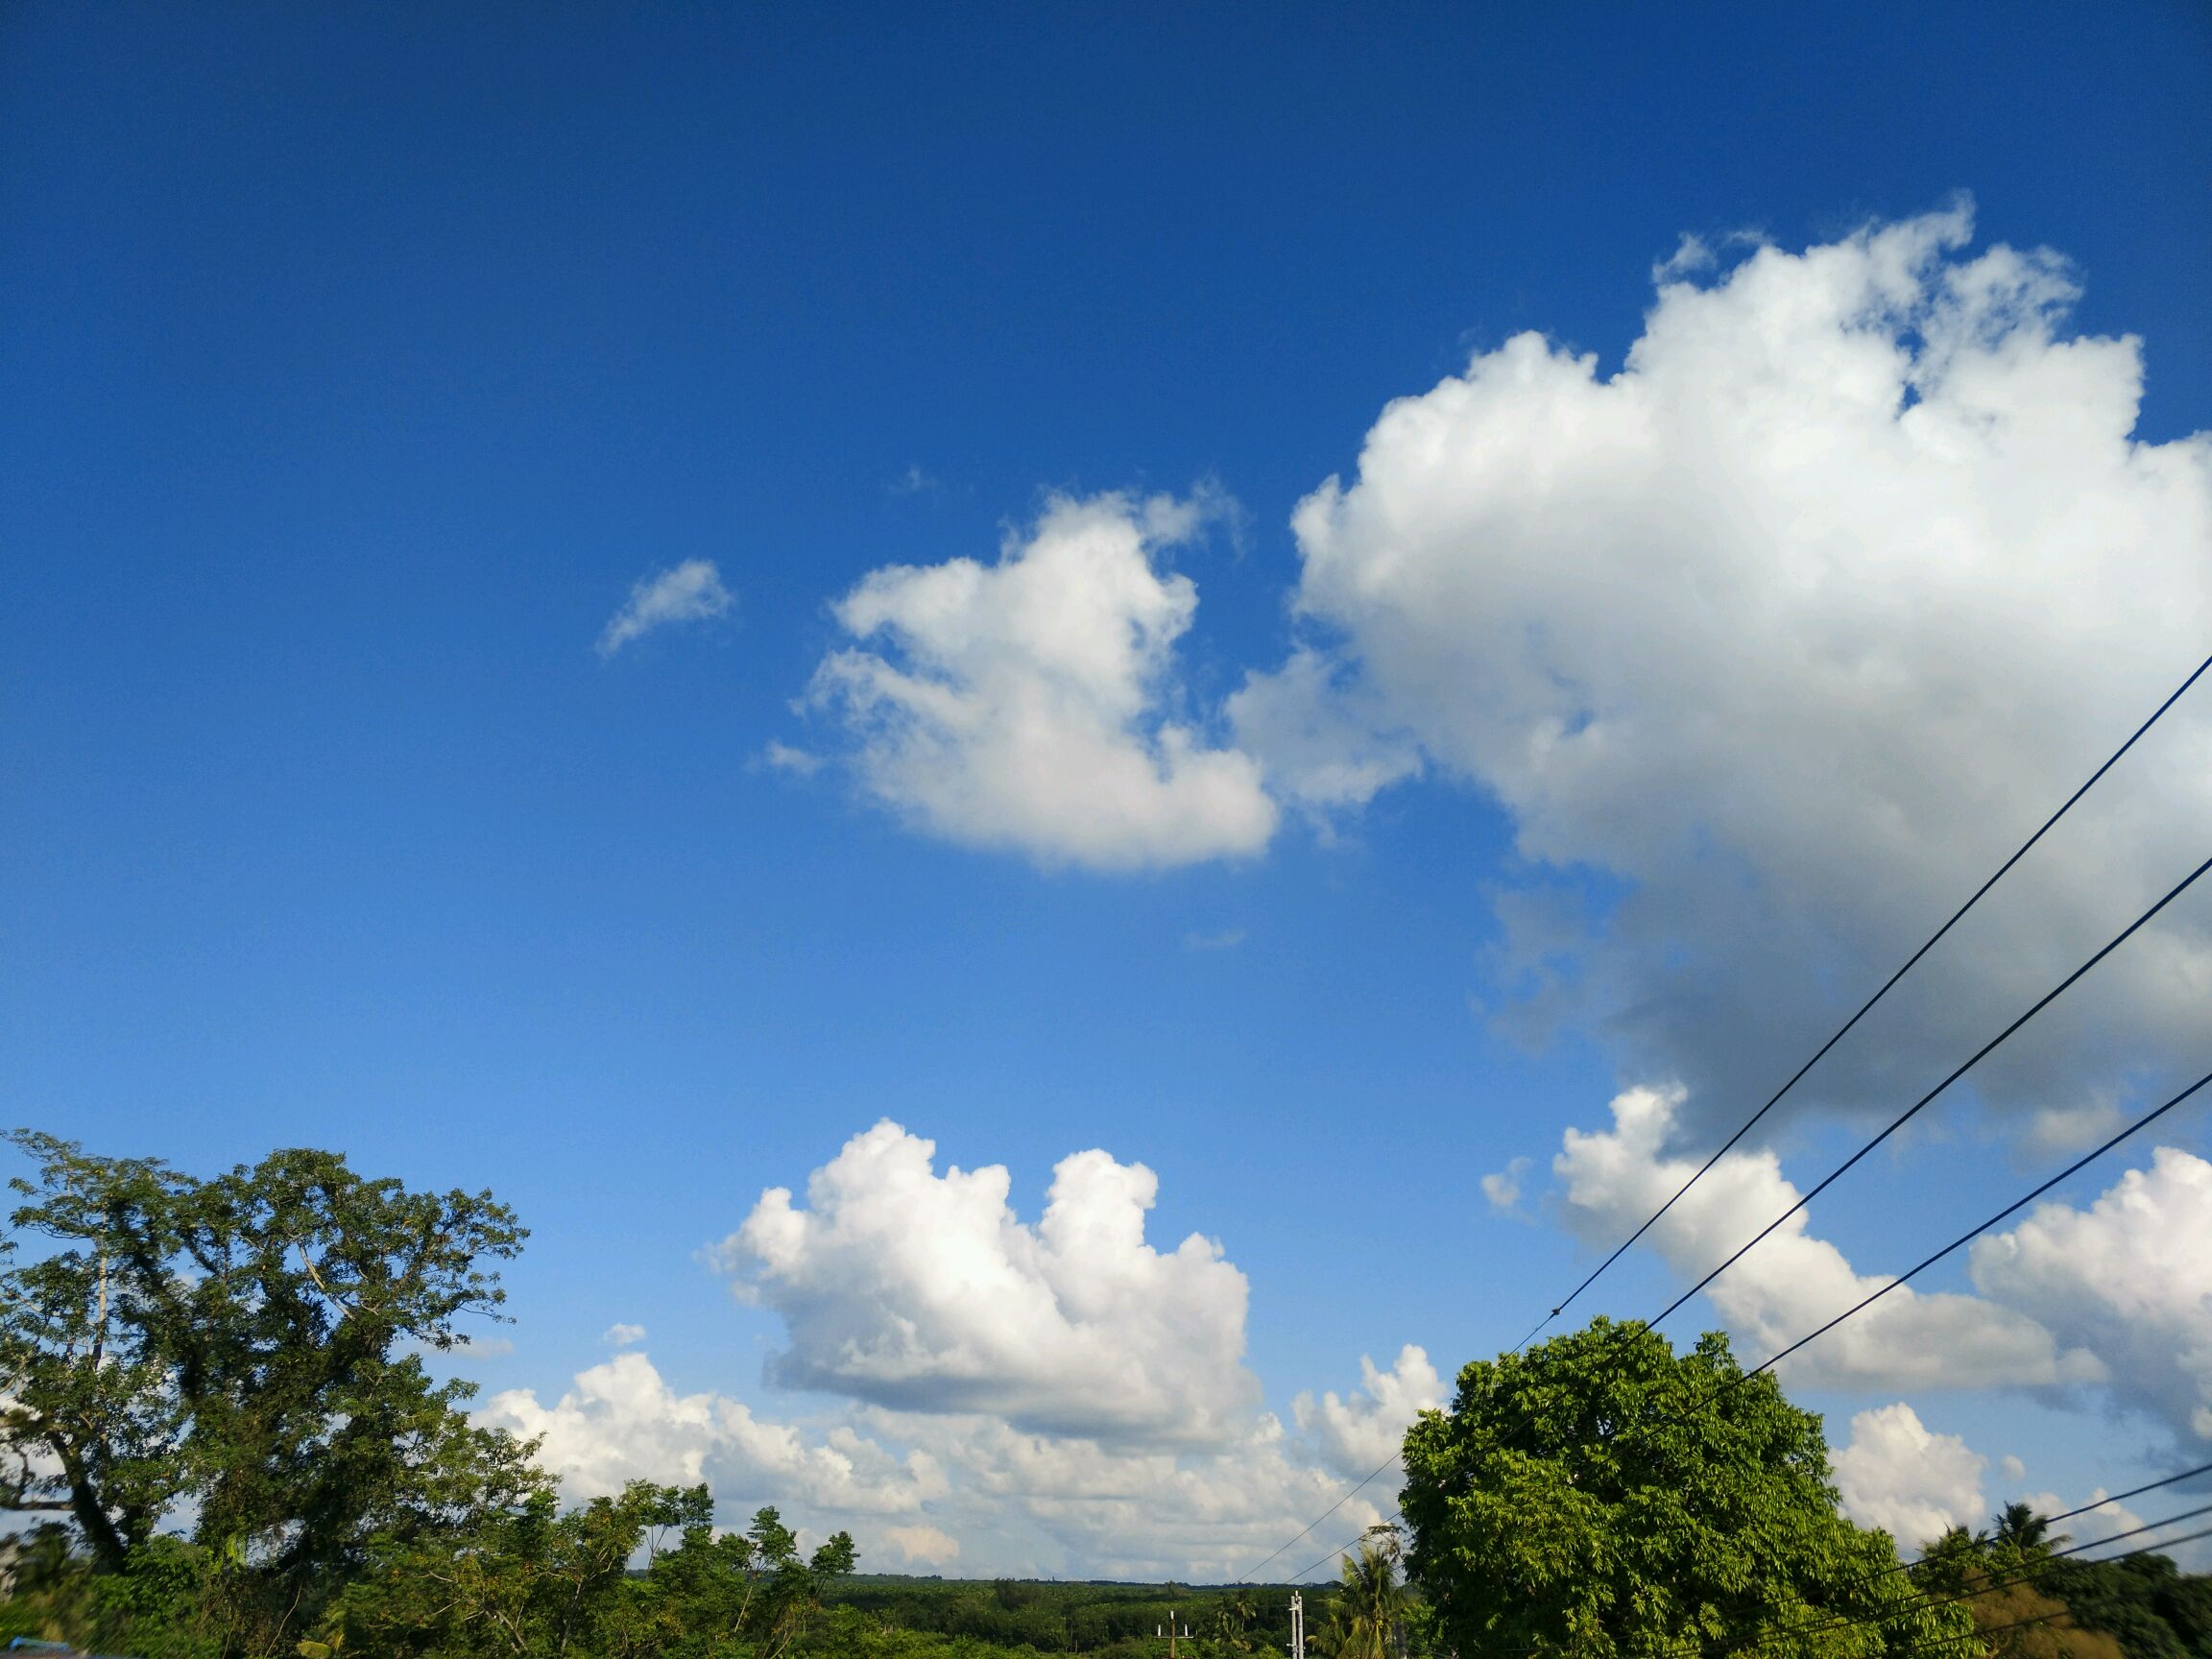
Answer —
(1370, 1601)
(1602, 1496)
(537, 1583)
(251, 1344)
(2003, 1578)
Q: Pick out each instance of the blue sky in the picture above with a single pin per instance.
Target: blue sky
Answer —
(361, 362)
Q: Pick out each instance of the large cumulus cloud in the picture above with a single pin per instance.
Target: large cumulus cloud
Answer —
(1031, 705)
(923, 1292)
(1789, 630)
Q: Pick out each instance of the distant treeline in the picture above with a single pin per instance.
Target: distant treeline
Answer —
(1058, 1617)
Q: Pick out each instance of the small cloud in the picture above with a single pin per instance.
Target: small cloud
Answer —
(1503, 1189)
(691, 592)
(1227, 939)
(2014, 1469)
(924, 1543)
(2056, 1129)
(467, 1349)
(915, 482)
(622, 1335)
(1691, 256)
(784, 758)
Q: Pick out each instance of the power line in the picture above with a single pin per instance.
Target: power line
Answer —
(1913, 1111)
(1867, 1007)
(1928, 1603)
(2143, 1123)
(2156, 714)
(1346, 1547)
(1304, 1530)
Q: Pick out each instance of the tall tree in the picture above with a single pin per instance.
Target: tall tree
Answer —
(251, 1343)
(1602, 1496)
(1370, 1601)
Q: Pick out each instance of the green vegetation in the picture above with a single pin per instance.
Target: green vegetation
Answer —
(215, 1415)
(1602, 1496)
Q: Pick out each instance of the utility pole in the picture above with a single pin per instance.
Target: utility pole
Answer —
(1297, 1625)
(1170, 1633)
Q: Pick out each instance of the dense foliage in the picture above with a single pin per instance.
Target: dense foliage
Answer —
(215, 1416)
(1602, 1496)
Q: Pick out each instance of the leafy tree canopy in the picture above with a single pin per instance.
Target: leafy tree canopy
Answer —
(249, 1346)
(1602, 1496)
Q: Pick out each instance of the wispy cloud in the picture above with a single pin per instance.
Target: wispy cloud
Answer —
(784, 758)
(691, 592)
(1227, 939)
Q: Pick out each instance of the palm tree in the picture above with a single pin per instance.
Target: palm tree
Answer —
(1232, 1619)
(1370, 1601)
(2027, 1531)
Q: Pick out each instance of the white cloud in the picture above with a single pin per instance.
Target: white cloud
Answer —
(2130, 1277)
(1319, 738)
(929, 1546)
(691, 592)
(925, 1292)
(1503, 1188)
(621, 1334)
(1030, 704)
(1072, 1505)
(2098, 1523)
(1790, 630)
(1792, 1281)
(621, 1421)
(2014, 1469)
(1355, 1434)
(1226, 939)
(937, 1487)
(1912, 1483)
(785, 757)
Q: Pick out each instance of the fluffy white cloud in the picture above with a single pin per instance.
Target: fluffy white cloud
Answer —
(691, 592)
(1063, 1505)
(1030, 704)
(1912, 1483)
(926, 1292)
(1792, 1281)
(1319, 735)
(622, 1335)
(2131, 1277)
(1355, 1434)
(622, 1422)
(1792, 628)
(935, 1487)
(1501, 1187)
(930, 1545)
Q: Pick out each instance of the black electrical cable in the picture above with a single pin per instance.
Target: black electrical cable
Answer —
(1910, 1113)
(1867, 1007)
(1345, 1547)
(2143, 1123)
(1951, 1599)
(1349, 1493)
(2156, 714)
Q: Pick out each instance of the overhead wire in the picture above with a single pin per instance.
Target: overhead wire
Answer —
(1306, 1529)
(1949, 1599)
(1911, 1111)
(1867, 1007)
